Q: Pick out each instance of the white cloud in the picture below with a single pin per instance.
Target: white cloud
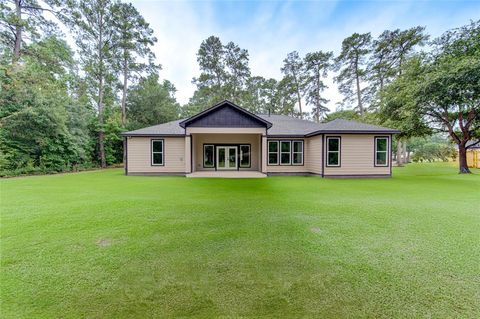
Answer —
(269, 30)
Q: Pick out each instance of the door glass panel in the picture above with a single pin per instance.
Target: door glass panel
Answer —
(244, 155)
(208, 156)
(232, 157)
(221, 157)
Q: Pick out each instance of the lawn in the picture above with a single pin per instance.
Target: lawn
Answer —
(102, 245)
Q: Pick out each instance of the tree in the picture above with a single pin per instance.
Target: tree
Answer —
(317, 64)
(224, 73)
(43, 124)
(135, 39)
(152, 103)
(350, 63)
(260, 95)
(22, 19)
(210, 58)
(93, 22)
(293, 71)
(237, 71)
(431, 148)
(443, 88)
(342, 114)
(390, 51)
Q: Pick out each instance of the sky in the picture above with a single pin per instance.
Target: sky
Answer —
(271, 29)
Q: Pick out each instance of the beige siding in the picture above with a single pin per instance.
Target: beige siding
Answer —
(357, 157)
(313, 154)
(139, 156)
(289, 168)
(200, 139)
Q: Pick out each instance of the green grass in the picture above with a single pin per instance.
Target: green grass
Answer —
(102, 245)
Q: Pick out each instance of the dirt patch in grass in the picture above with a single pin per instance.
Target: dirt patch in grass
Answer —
(104, 242)
(315, 230)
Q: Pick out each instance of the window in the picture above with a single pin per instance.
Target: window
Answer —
(297, 152)
(157, 152)
(285, 152)
(244, 155)
(333, 151)
(381, 151)
(273, 152)
(285, 148)
(208, 154)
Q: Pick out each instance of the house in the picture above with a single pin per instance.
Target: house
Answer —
(227, 139)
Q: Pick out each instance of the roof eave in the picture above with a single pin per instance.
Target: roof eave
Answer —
(353, 132)
(127, 134)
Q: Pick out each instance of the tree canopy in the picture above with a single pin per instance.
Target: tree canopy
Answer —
(63, 108)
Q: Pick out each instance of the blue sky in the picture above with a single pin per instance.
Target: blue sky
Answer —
(271, 29)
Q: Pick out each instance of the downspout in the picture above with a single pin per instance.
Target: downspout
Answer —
(390, 154)
(323, 154)
(125, 154)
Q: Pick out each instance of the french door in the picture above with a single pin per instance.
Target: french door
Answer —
(227, 157)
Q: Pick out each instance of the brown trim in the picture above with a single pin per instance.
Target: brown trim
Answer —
(157, 174)
(153, 135)
(357, 176)
(291, 174)
(387, 160)
(319, 132)
(339, 152)
(151, 151)
(285, 137)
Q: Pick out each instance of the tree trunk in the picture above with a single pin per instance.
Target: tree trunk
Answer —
(18, 31)
(404, 152)
(462, 159)
(359, 94)
(399, 153)
(101, 136)
(124, 93)
(299, 97)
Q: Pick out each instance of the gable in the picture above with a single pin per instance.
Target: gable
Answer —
(225, 114)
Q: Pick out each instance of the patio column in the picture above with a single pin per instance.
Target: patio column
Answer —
(264, 154)
(188, 154)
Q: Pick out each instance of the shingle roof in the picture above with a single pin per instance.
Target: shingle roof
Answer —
(165, 129)
(475, 144)
(347, 126)
(282, 125)
(287, 125)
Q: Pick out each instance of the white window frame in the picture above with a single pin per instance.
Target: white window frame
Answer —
(387, 139)
(339, 151)
(213, 160)
(277, 152)
(289, 153)
(157, 152)
(293, 152)
(241, 155)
